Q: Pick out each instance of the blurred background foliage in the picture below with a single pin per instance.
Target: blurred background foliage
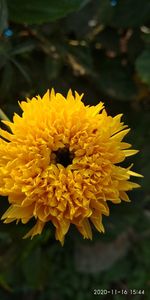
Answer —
(100, 48)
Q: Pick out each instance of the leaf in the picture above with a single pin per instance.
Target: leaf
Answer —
(52, 67)
(84, 22)
(119, 271)
(4, 284)
(115, 80)
(143, 66)
(105, 12)
(135, 45)
(146, 37)
(80, 59)
(6, 79)
(21, 68)
(23, 48)
(109, 39)
(32, 268)
(4, 53)
(3, 15)
(37, 11)
(129, 13)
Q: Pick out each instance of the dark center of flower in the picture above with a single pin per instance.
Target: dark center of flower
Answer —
(64, 156)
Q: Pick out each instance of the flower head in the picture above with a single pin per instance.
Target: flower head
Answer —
(60, 162)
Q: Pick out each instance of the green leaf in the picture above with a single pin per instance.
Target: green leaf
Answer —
(23, 48)
(4, 284)
(6, 79)
(21, 69)
(135, 45)
(3, 15)
(119, 271)
(115, 80)
(52, 67)
(32, 268)
(105, 12)
(80, 59)
(37, 11)
(109, 39)
(4, 53)
(143, 66)
(146, 38)
(83, 22)
(129, 13)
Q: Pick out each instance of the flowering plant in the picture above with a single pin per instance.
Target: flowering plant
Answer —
(60, 164)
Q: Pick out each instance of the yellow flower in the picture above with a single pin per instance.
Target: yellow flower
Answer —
(60, 162)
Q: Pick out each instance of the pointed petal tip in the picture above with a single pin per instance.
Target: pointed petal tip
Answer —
(52, 92)
(132, 173)
(62, 242)
(79, 95)
(69, 94)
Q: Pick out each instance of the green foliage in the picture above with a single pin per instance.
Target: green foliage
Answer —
(3, 15)
(36, 11)
(143, 66)
(116, 79)
(102, 49)
(131, 13)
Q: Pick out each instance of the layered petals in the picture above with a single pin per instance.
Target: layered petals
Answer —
(59, 164)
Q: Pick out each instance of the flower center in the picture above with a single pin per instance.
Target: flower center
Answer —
(64, 157)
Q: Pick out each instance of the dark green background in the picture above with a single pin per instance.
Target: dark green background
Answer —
(100, 48)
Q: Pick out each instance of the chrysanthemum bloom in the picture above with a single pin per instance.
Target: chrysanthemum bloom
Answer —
(60, 162)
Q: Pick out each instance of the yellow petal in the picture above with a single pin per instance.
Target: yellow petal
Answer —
(130, 152)
(120, 135)
(85, 229)
(18, 212)
(135, 174)
(36, 229)
(61, 229)
(6, 135)
(97, 221)
(123, 195)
